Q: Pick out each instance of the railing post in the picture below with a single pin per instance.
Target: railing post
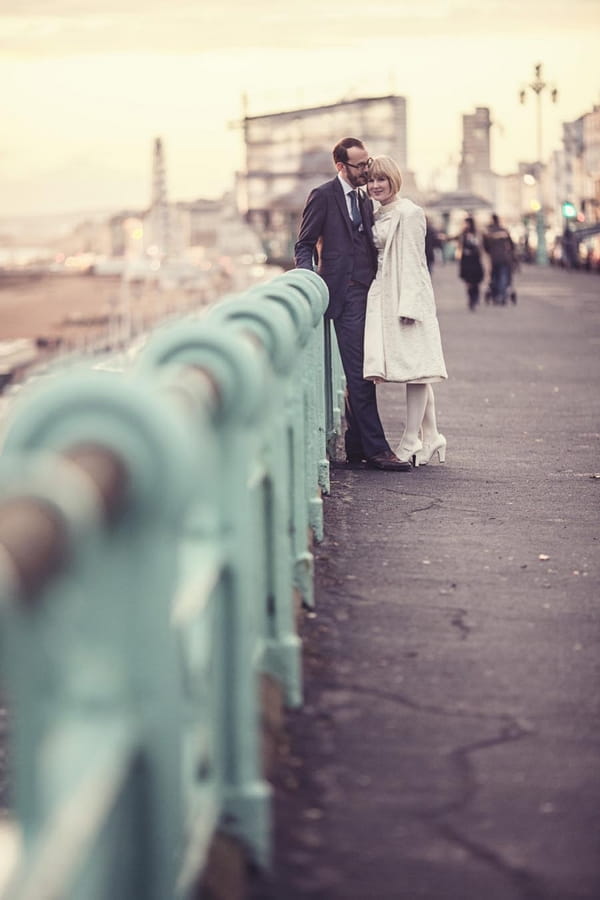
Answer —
(335, 387)
(238, 370)
(301, 388)
(92, 660)
(277, 334)
(313, 290)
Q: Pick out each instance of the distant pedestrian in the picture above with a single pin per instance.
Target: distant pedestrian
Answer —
(431, 242)
(402, 333)
(500, 248)
(569, 248)
(471, 267)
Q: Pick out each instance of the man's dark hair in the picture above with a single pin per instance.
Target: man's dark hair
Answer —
(340, 151)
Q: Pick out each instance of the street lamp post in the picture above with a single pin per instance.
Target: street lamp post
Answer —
(538, 85)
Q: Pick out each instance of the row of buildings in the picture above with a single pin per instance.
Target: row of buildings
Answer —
(288, 153)
(569, 178)
(191, 242)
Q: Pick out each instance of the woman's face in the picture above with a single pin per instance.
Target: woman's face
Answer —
(380, 189)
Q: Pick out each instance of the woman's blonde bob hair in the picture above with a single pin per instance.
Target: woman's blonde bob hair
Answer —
(386, 166)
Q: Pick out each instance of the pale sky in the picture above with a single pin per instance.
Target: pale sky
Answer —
(86, 87)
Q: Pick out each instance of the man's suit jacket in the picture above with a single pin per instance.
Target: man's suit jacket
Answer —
(326, 239)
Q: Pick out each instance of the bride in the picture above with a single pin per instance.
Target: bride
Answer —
(402, 335)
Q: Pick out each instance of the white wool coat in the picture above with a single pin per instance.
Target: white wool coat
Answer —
(394, 350)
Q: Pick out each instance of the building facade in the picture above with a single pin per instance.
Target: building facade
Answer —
(570, 174)
(474, 171)
(289, 153)
(590, 200)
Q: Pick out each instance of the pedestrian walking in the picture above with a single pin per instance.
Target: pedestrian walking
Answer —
(402, 335)
(431, 242)
(500, 248)
(470, 266)
(336, 235)
(569, 248)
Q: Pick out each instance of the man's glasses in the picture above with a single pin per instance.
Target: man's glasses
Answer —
(362, 167)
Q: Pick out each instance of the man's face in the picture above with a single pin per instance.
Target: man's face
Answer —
(355, 171)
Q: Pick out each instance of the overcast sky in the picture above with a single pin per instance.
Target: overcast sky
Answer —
(86, 87)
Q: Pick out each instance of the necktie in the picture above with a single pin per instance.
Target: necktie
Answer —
(355, 211)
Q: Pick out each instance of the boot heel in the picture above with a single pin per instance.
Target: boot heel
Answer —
(409, 454)
(426, 454)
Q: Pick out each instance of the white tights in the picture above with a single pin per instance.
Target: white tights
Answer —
(421, 421)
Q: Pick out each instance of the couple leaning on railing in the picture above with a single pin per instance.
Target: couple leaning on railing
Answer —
(154, 540)
(381, 303)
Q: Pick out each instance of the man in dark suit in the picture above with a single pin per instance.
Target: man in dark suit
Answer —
(335, 234)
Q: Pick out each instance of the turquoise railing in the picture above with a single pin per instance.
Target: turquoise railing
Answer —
(155, 532)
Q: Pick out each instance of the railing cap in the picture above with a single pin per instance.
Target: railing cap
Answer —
(128, 417)
(271, 324)
(312, 287)
(293, 301)
(236, 369)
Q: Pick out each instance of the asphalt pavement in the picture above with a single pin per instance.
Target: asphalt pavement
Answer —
(449, 744)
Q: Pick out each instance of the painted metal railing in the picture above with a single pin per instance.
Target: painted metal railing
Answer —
(155, 530)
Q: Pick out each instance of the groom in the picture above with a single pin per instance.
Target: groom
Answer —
(335, 232)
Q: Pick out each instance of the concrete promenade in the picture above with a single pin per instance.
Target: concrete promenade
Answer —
(449, 745)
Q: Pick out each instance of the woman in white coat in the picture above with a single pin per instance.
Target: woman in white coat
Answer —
(402, 335)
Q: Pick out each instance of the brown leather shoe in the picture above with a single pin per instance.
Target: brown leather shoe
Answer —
(388, 460)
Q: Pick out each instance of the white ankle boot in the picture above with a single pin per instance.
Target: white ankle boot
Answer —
(436, 445)
(405, 451)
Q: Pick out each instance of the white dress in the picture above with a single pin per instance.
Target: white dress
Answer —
(395, 351)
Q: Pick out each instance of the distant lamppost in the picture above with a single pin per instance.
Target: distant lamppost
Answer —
(538, 85)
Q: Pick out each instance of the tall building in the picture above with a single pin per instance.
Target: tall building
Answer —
(572, 169)
(577, 171)
(289, 153)
(591, 182)
(159, 214)
(474, 172)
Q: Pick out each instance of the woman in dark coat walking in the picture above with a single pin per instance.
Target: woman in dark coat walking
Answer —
(471, 267)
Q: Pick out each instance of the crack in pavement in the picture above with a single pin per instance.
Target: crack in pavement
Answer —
(511, 730)
(436, 502)
(529, 887)
(458, 621)
(516, 728)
